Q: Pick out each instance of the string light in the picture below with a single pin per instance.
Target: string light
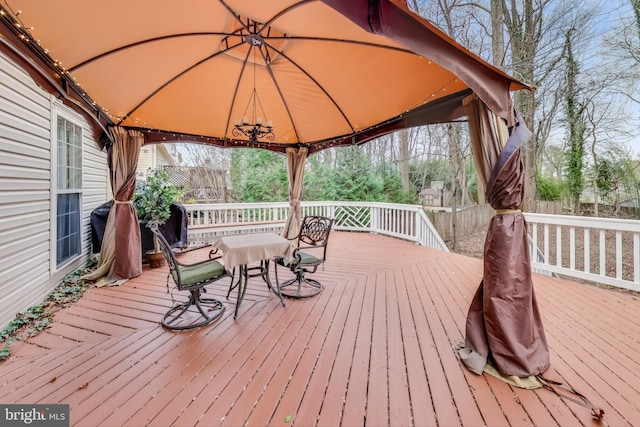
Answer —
(254, 130)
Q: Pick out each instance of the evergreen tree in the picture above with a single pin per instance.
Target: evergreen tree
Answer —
(319, 182)
(353, 175)
(393, 189)
(259, 176)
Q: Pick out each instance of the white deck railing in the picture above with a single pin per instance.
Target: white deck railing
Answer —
(601, 250)
(409, 222)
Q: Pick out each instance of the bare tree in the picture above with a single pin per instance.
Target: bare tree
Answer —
(207, 172)
(624, 47)
(605, 116)
(528, 41)
(403, 157)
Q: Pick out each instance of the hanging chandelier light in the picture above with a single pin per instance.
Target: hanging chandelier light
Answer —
(257, 126)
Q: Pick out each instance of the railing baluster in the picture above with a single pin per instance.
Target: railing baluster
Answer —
(572, 248)
(546, 244)
(587, 250)
(618, 255)
(636, 257)
(558, 246)
(603, 252)
(534, 250)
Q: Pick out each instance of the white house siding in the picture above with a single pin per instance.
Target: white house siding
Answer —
(27, 264)
(154, 156)
(146, 161)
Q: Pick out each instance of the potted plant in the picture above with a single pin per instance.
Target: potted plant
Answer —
(152, 199)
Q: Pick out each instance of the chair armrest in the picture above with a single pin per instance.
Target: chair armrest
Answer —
(296, 258)
(215, 254)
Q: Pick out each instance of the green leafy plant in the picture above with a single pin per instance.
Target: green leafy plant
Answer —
(37, 318)
(153, 198)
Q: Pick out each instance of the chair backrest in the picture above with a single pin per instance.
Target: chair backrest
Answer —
(169, 256)
(314, 233)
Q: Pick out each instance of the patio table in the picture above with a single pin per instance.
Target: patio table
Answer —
(245, 249)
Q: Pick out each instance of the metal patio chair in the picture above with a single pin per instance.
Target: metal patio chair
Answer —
(311, 252)
(196, 311)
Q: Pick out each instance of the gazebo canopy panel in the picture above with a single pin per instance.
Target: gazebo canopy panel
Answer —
(330, 72)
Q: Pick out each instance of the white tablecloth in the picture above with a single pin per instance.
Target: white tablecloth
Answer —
(248, 248)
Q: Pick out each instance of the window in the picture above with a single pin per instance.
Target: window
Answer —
(69, 191)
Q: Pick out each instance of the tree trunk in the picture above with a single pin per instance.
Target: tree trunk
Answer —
(523, 37)
(454, 153)
(576, 127)
(594, 154)
(497, 35)
(498, 55)
(403, 158)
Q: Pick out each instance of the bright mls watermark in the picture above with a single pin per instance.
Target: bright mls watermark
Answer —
(34, 415)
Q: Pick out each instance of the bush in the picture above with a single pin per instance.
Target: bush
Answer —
(548, 190)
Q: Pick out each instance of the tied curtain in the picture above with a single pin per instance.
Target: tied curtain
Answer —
(296, 159)
(504, 331)
(120, 255)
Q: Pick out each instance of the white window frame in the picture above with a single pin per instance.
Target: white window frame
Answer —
(58, 111)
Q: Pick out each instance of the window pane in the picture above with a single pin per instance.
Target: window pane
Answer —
(69, 155)
(68, 221)
(76, 179)
(69, 175)
(61, 131)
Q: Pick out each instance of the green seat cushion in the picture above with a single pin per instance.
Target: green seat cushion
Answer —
(193, 274)
(307, 259)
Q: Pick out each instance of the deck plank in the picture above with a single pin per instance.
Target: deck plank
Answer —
(451, 271)
(400, 414)
(190, 392)
(439, 323)
(377, 347)
(255, 371)
(354, 412)
(272, 395)
(291, 406)
(421, 389)
(334, 399)
(378, 392)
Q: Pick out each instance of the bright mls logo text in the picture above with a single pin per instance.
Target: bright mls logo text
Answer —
(35, 415)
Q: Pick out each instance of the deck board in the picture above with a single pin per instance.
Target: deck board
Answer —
(376, 347)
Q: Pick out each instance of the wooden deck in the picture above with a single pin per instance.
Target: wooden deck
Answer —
(376, 348)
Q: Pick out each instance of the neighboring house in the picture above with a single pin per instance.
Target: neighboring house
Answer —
(432, 197)
(52, 174)
(435, 195)
(630, 203)
(155, 156)
(201, 183)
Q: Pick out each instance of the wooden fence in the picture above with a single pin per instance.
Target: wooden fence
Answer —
(476, 218)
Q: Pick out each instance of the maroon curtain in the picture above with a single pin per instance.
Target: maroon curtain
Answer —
(120, 254)
(503, 327)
